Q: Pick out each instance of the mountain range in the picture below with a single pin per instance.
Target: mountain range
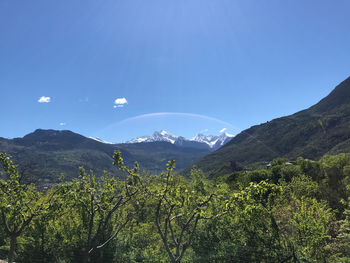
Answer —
(321, 129)
(201, 141)
(45, 154)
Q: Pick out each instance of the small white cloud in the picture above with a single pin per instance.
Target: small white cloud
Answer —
(120, 102)
(222, 130)
(118, 106)
(63, 124)
(205, 130)
(44, 99)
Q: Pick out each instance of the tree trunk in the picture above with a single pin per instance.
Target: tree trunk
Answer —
(13, 243)
(42, 245)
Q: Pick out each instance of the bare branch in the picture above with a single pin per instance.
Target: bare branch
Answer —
(7, 228)
(165, 241)
(186, 245)
(113, 235)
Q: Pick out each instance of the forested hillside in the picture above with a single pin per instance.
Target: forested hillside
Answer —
(45, 154)
(322, 129)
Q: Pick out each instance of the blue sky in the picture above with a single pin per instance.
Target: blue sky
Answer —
(185, 66)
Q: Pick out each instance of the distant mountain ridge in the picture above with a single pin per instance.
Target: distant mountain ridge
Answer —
(321, 129)
(45, 154)
(212, 142)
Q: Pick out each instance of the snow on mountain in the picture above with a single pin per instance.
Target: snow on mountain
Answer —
(204, 138)
(213, 141)
(100, 140)
(165, 136)
(224, 138)
(207, 139)
(158, 136)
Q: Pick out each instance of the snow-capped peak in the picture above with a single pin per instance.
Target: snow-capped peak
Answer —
(224, 138)
(162, 132)
(164, 136)
(158, 136)
(212, 141)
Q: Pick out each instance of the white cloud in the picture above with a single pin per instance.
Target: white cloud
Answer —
(120, 102)
(205, 130)
(44, 99)
(222, 130)
(63, 124)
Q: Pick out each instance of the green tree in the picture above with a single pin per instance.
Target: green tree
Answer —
(304, 222)
(20, 204)
(179, 207)
(102, 206)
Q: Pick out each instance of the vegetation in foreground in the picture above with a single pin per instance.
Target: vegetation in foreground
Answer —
(287, 213)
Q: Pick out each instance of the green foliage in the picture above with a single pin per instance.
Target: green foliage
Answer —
(20, 204)
(180, 206)
(301, 186)
(333, 183)
(278, 161)
(244, 178)
(311, 220)
(280, 214)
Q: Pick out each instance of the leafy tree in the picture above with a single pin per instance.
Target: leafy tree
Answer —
(102, 206)
(304, 223)
(342, 241)
(178, 209)
(257, 222)
(247, 233)
(311, 222)
(278, 161)
(20, 204)
(333, 186)
(38, 243)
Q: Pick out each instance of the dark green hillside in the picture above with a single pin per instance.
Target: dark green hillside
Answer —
(153, 156)
(321, 129)
(45, 154)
